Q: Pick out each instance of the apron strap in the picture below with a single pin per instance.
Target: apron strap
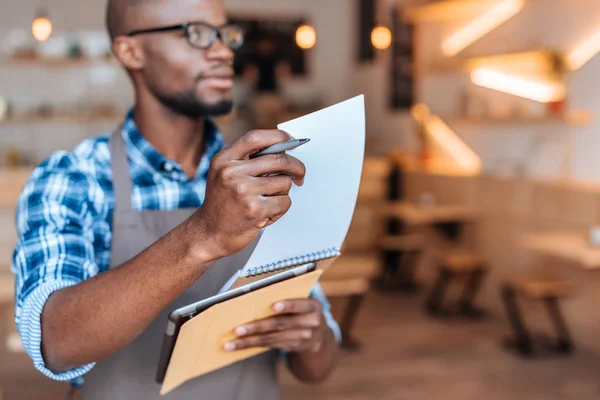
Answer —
(122, 186)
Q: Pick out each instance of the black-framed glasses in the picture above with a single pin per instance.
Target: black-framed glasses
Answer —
(202, 35)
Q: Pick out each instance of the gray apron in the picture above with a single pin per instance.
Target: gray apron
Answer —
(130, 374)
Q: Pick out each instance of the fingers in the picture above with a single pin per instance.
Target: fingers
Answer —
(279, 185)
(274, 207)
(278, 164)
(300, 306)
(254, 141)
(297, 327)
(293, 340)
(279, 323)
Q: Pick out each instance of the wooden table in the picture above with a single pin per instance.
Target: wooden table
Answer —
(448, 220)
(412, 214)
(570, 246)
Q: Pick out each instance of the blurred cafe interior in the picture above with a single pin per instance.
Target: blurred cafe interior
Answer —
(472, 266)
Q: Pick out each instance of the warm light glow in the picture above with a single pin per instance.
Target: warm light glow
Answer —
(524, 63)
(481, 26)
(306, 37)
(449, 10)
(452, 144)
(446, 139)
(420, 112)
(381, 37)
(41, 29)
(584, 52)
(536, 89)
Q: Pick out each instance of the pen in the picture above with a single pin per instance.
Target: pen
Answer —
(280, 147)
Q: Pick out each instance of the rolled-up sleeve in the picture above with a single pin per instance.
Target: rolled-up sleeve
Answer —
(54, 250)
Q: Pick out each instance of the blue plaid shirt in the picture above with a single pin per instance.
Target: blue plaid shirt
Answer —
(64, 221)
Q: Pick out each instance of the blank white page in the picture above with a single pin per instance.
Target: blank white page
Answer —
(322, 208)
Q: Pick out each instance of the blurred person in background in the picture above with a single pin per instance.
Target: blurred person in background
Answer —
(116, 233)
(264, 73)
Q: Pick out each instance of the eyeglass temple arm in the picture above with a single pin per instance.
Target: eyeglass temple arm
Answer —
(162, 29)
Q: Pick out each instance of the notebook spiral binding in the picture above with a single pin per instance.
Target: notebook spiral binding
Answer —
(290, 262)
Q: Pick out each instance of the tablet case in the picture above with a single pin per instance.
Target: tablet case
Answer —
(199, 346)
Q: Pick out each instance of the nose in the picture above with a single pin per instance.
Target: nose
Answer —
(218, 51)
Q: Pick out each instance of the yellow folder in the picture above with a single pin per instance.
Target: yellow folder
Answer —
(199, 346)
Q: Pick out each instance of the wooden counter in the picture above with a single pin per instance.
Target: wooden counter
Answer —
(411, 214)
(570, 246)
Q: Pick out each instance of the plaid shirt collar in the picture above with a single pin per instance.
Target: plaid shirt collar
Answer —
(143, 153)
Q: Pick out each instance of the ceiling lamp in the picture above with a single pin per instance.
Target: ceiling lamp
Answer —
(306, 37)
(541, 90)
(583, 53)
(381, 37)
(41, 28)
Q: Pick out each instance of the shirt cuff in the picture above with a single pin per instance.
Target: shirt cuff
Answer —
(317, 292)
(30, 328)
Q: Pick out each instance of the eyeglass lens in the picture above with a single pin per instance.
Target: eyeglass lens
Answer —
(203, 36)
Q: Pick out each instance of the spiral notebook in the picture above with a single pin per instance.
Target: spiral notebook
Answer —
(316, 225)
(313, 230)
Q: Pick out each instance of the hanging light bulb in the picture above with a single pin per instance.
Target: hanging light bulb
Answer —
(381, 37)
(306, 37)
(41, 28)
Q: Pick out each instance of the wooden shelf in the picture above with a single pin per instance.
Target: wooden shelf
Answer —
(580, 118)
(58, 119)
(58, 62)
(531, 62)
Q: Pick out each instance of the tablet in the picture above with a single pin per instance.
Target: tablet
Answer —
(178, 317)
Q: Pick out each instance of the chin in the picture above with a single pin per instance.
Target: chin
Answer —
(214, 96)
(219, 108)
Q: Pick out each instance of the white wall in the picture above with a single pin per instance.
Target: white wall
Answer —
(560, 151)
(550, 151)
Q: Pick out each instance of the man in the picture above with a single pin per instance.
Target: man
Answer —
(127, 226)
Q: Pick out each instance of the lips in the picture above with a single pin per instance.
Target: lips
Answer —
(218, 82)
(218, 79)
(219, 73)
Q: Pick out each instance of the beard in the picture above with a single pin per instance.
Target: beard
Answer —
(188, 104)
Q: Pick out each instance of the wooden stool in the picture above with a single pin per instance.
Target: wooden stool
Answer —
(350, 277)
(400, 257)
(457, 265)
(547, 290)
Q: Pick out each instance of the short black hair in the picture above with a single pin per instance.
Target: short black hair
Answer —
(112, 19)
(119, 12)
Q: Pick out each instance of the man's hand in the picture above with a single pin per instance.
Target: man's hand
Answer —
(243, 195)
(299, 326)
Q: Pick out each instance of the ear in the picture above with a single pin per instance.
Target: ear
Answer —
(129, 52)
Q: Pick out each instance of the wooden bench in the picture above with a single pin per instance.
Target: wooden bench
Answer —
(465, 264)
(352, 274)
(547, 290)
